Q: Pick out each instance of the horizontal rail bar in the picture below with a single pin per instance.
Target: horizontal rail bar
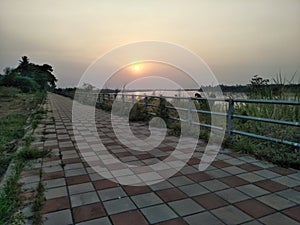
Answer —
(282, 122)
(208, 126)
(178, 108)
(178, 119)
(281, 102)
(209, 112)
(266, 138)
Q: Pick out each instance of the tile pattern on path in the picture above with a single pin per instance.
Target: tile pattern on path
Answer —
(235, 189)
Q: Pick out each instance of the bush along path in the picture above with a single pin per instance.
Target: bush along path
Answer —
(17, 192)
(63, 189)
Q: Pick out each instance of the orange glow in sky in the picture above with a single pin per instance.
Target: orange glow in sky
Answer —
(136, 68)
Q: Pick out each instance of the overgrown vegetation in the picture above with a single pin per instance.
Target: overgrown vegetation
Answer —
(9, 196)
(29, 153)
(38, 203)
(281, 154)
(22, 89)
(11, 129)
(18, 107)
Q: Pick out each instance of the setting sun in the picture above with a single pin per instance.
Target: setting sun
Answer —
(136, 68)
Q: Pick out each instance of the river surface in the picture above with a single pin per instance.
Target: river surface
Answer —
(182, 93)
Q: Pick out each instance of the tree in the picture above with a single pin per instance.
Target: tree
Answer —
(258, 87)
(24, 61)
(34, 77)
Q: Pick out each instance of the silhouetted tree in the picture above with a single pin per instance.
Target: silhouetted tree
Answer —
(30, 77)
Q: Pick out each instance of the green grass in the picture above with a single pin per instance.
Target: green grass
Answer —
(9, 196)
(11, 128)
(281, 154)
(8, 92)
(18, 106)
(28, 153)
(15, 108)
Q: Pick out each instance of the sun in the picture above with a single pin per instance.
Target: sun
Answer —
(136, 68)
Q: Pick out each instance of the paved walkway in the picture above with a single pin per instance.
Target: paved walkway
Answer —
(235, 189)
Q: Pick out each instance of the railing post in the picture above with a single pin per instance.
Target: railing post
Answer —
(132, 99)
(123, 100)
(146, 103)
(98, 98)
(110, 97)
(190, 116)
(230, 119)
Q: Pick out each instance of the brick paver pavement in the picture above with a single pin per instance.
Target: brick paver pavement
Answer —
(235, 189)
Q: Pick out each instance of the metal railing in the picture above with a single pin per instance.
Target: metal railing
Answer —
(229, 114)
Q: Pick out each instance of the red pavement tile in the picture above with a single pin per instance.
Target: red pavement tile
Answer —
(85, 164)
(210, 201)
(281, 171)
(144, 156)
(254, 208)
(199, 176)
(249, 167)
(166, 148)
(220, 164)
(52, 146)
(53, 175)
(51, 158)
(109, 143)
(103, 184)
(78, 179)
(129, 218)
(233, 181)
(171, 194)
(178, 221)
(162, 158)
(271, 186)
(88, 212)
(193, 161)
(135, 190)
(27, 195)
(293, 212)
(55, 204)
(73, 160)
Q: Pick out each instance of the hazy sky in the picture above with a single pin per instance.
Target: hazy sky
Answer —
(236, 38)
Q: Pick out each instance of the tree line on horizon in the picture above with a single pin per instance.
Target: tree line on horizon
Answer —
(29, 77)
